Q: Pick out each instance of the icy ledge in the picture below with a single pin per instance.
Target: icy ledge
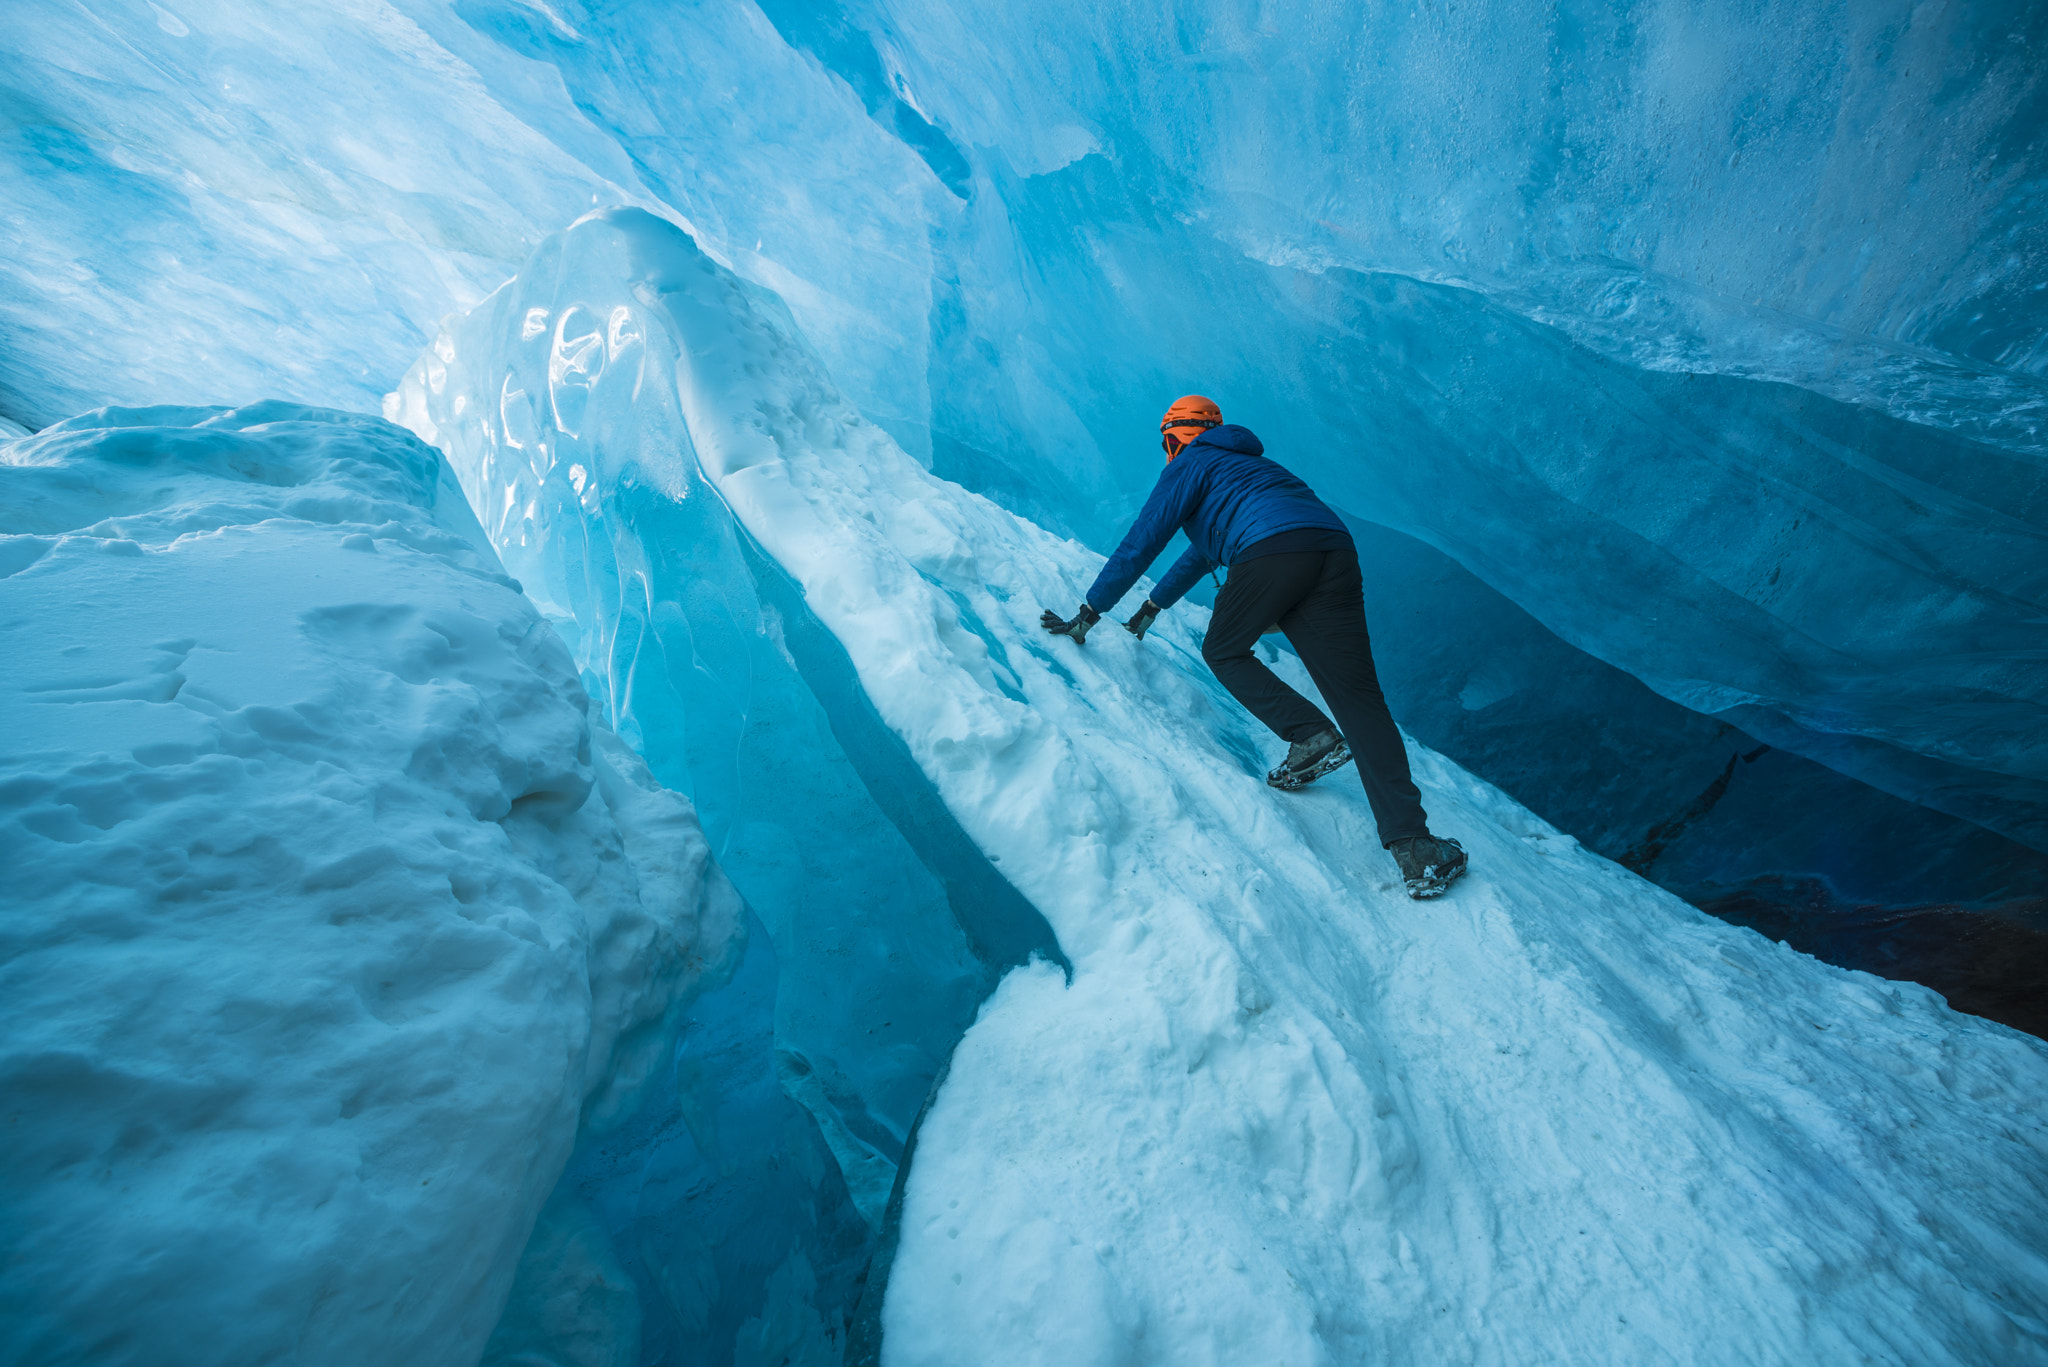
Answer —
(1283, 1114)
(329, 915)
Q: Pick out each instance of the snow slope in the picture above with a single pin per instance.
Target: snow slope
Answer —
(1281, 1113)
(331, 918)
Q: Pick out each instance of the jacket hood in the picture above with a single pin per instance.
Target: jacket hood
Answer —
(1231, 437)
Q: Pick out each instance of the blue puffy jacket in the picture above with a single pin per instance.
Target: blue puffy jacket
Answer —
(1228, 496)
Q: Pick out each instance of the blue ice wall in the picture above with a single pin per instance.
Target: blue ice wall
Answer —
(1837, 581)
(1853, 586)
(686, 647)
(1744, 829)
(1177, 1083)
(1705, 343)
(1532, 278)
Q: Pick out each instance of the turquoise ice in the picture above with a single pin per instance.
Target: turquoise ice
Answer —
(1680, 367)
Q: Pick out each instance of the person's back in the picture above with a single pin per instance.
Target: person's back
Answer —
(1245, 495)
(1292, 564)
(1229, 497)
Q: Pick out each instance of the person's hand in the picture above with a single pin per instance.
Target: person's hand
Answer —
(1084, 618)
(1142, 619)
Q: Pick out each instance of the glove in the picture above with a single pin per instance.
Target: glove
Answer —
(1085, 618)
(1143, 619)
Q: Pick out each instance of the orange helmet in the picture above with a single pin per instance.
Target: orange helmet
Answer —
(1187, 418)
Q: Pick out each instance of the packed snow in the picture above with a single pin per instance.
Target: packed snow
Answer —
(1278, 1111)
(332, 919)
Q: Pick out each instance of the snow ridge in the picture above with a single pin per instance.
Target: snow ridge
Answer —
(331, 917)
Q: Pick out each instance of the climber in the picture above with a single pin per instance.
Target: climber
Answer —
(1293, 568)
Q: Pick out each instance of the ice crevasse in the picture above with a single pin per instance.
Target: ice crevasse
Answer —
(1273, 1111)
(332, 918)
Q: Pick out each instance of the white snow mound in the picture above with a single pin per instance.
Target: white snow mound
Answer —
(329, 914)
(1283, 1114)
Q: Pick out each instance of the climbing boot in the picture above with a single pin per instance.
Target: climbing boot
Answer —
(1308, 760)
(1429, 864)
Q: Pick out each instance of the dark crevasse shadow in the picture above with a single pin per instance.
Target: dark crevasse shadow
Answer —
(1744, 831)
(1990, 962)
(1004, 928)
(719, 1199)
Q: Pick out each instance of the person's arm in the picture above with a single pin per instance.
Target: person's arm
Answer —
(1191, 566)
(1172, 502)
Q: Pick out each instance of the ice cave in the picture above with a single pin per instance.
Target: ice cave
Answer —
(542, 827)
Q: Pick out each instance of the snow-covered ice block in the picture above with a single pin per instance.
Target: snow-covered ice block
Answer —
(330, 916)
(1281, 1113)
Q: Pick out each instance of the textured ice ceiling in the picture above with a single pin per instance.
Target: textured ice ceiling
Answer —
(1711, 335)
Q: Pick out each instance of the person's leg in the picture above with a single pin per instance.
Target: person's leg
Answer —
(1327, 629)
(1259, 593)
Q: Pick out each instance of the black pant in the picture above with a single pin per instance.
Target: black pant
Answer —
(1317, 598)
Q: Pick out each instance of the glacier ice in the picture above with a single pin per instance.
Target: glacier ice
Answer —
(1507, 278)
(226, 200)
(1278, 1111)
(1748, 831)
(1720, 364)
(332, 917)
(715, 666)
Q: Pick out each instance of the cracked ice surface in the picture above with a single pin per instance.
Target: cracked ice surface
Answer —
(1282, 1113)
(330, 917)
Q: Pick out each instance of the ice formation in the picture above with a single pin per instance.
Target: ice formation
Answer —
(1681, 367)
(331, 917)
(889, 923)
(1278, 1112)
(1507, 278)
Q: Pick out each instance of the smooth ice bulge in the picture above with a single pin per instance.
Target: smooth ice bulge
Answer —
(332, 917)
(557, 403)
